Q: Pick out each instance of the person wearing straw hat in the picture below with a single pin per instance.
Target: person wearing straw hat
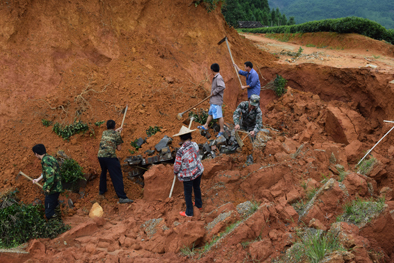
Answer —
(248, 116)
(111, 141)
(188, 168)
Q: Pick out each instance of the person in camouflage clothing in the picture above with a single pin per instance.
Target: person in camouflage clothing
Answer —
(248, 116)
(111, 141)
(52, 180)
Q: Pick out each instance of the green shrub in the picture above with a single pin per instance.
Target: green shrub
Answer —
(357, 25)
(71, 171)
(98, 123)
(46, 123)
(201, 117)
(312, 247)
(361, 211)
(210, 5)
(366, 166)
(152, 130)
(136, 147)
(20, 222)
(299, 52)
(280, 84)
(69, 130)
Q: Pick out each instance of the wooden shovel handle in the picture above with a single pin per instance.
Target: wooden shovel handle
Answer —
(197, 104)
(25, 175)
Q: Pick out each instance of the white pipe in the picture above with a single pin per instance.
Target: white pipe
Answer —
(389, 121)
(375, 145)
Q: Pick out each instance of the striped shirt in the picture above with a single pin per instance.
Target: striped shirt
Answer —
(187, 164)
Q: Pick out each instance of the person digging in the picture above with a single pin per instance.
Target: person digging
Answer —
(110, 142)
(216, 101)
(188, 168)
(248, 116)
(252, 79)
(52, 180)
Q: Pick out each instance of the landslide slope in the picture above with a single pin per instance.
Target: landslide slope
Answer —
(87, 59)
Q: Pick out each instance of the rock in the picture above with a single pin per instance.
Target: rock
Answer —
(355, 184)
(149, 152)
(185, 235)
(292, 213)
(261, 250)
(163, 143)
(139, 142)
(387, 193)
(170, 80)
(391, 82)
(70, 203)
(83, 229)
(344, 125)
(158, 181)
(315, 223)
(293, 196)
(96, 211)
(371, 66)
(211, 167)
(354, 151)
(307, 134)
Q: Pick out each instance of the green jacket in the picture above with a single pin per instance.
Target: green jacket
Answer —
(51, 175)
(248, 120)
(109, 141)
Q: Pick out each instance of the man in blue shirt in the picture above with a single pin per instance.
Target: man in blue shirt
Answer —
(252, 79)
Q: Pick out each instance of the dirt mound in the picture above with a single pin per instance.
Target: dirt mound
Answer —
(340, 41)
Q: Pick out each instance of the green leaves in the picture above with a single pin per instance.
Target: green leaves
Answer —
(201, 117)
(46, 123)
(352, 24)
(98, 123)
(152, 130)
(71, 171)
(280, 84)
(69, 130)
(20, 222)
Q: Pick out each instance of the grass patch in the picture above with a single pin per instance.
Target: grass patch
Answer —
(361, 211)
(313, 247)
(366, 166)
(342, 175)
(375, 57)
(310, 45)
(46, 123)
(311, 193)
(188, 252)
(280, 84)
(152, 130)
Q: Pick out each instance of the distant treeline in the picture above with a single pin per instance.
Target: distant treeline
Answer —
(254, 10)
(340, 25)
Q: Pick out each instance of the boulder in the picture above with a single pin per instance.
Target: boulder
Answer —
(158, 181)
(354, 151)
(261, 250)
(96, 211)
(355, 184)
(36, 247)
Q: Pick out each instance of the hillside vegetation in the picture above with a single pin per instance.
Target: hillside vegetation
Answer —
(341, 25)
(380, 11)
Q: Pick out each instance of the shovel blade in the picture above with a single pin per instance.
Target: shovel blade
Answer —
(221, 41)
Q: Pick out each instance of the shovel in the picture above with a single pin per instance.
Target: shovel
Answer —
(124, 116)
(239, 140)
(179, 116)
(21, 173)
(173, 182)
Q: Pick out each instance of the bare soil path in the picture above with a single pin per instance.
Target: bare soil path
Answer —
(328, 49)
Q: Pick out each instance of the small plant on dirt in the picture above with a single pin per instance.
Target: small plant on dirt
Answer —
(201, 117)
(46, 123)
(310, 45)
(361, 211)
(299, 52)
(188, 252)
(210, 5)
(324, 179)
(299, 206)
(67, 131)
(280, 84)
(366, 166)
(99, 123)
(20, 222)
(135, 145)
(313, 247)
(342, 175)
(311, 193)
(71, 171)
(152, 130)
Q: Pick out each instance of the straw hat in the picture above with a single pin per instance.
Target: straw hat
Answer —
(184, 130)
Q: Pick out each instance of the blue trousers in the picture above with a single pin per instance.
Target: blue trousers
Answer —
(115, 172)
(51, 201)
(188, 187)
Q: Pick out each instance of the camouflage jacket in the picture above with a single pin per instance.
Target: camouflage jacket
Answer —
(51, 175)
(109, 141)
(248, 121)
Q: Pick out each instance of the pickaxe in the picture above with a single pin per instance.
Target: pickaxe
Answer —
(28, 177)
(229, 51)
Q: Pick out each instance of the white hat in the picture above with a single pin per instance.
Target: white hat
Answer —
(183, 130)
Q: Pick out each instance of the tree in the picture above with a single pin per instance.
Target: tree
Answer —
(291, 21)
(284, 20)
